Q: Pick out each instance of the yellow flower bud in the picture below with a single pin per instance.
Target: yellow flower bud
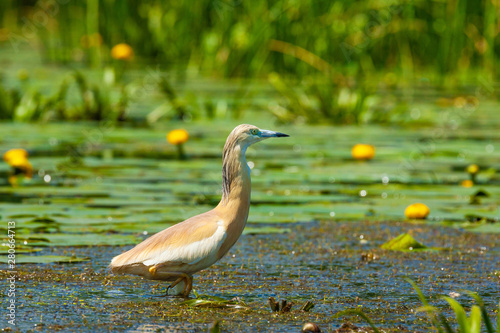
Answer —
(363, 152)
(467, 183)
(473, 169)
(177, 136)
(417, 211)
(122, 51)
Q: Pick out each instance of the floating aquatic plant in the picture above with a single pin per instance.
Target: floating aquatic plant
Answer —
(404, 242)
(206, 301)
(475, 199)
(282, 306)
(43, 259)
(286, 306)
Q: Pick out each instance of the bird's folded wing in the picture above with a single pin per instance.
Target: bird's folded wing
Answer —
(195, 239)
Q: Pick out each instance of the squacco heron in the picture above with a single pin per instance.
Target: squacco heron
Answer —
(178, 252)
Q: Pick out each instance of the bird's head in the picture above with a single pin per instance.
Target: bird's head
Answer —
(234, 151)
(245, 135)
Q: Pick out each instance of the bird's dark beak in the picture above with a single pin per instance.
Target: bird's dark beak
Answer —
(271, 134)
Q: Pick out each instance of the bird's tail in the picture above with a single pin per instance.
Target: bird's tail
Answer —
(134, 269)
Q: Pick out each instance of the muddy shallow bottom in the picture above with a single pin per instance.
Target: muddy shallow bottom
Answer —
(337, 265)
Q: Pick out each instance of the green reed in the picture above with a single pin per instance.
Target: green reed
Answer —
(231, 37)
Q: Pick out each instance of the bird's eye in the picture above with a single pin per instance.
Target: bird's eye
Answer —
(254, 131)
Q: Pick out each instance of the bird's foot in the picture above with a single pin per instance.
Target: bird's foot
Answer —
(188, 280)
(167, 295)
(182, 295)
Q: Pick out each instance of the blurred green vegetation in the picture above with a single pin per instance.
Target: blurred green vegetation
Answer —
(338, 54)
(233, 37)
(74, 99)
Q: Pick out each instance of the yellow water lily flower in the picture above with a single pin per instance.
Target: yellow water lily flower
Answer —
(467, 183)
(122, 51)
(15, 153)
(18, 159)
(417, 211)
(363, 152)
(472, 169)
(178, 136)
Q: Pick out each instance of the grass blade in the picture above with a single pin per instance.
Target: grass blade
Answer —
(361, 314)
(445, 323)
(463, 321)
(498, 319)
(432, 314)
(419, 293)
(475, 319)
(484, 312)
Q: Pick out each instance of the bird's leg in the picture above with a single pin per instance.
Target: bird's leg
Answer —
(188, 284)
(174, 284)
(188, 280)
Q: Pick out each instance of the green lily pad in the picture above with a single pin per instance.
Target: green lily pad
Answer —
(487, 228)
(19, 249)
(84, 240)
(265, 230)
(44, 259)
(404, 242)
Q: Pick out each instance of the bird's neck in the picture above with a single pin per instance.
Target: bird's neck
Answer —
(236, 184)
(235, 203)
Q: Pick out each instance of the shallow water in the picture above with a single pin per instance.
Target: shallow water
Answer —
(315, 212)
(316, 261)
